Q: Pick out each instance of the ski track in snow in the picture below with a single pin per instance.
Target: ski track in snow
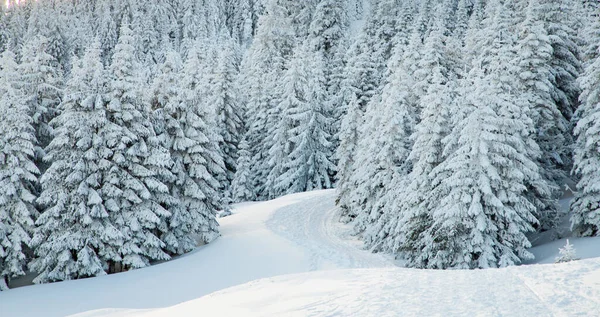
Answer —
(312, 224)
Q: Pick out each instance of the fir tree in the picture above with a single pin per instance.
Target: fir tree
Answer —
(41, 84)
(223, 96)
(307, 165)
(585, 219)
(198, 163)
(141, 162)
(18, 173)
(241, 187)
(358, 87)
(74, 235)
(263, 68)
(536, 81)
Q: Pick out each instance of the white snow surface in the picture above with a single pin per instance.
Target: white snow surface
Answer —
(265, 245)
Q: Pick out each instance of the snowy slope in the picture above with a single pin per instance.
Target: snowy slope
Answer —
(298, 234)
(249, 249)
(571, 289)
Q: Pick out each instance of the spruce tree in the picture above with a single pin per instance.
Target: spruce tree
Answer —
(198, 162)
(263, 67)
(241, 187)
(558, 16)
(224, 97)
(536, 81)
(481, 211)
(18, 173)
(307, 165)
(41, 86)
(141, 197)
(358, 87)
(74, 235)
(585, 218)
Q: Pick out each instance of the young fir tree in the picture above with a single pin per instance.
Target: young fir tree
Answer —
(141, 163)
(18, 173)
(241, 187)
(585, 219)
(74, 235)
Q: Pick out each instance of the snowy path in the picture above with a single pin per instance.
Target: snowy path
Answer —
(312, 224)
(249, 249)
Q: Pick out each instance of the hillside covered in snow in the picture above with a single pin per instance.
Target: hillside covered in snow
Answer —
(264, 246)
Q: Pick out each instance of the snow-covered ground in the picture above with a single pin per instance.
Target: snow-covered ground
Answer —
(272, 241)
(571, 289)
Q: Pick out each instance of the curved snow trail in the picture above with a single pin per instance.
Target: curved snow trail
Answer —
(312, 224)
(247, 250)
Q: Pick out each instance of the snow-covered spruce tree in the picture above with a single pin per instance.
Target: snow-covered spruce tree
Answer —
(558, 16)
(74, 234)
(198, 161)
(585, 219)
(482, 215)
(138, 195)
(482, 210)
(223, 96)
(41, 86)
(241, 187)
(263, 67)
(417, 200)
(365, 71)
(45, 21)
(164, 97)
(18, 173)
(358, 87)
(386, 162)
(328, 35)
(534, 56)
(106, 28)
(307, 165)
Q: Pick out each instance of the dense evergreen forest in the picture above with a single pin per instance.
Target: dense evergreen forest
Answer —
(449, 128)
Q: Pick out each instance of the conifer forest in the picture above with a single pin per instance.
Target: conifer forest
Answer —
(449, 129)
